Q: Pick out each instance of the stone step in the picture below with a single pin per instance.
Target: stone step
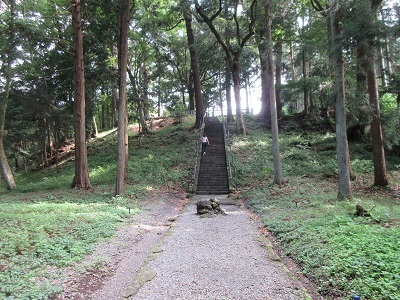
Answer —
(213, 173)
(205, 173)
(211, 166)
(221, 178)
(212, 191)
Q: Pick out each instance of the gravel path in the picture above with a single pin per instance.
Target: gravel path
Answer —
(214, 257)
(171, 253)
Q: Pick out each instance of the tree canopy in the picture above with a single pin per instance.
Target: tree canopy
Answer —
(37, 62)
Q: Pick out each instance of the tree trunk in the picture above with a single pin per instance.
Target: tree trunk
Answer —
(114, 108)
(306, 98)
(114, 103)
(81, 179)
(240, 126)
(233, 53)
(278, 76)
(361, 78)
(229, 114)
(265, 112)
(146, 104)
(193, 64)
(380, 177)
(6, 172)
(95, 129)
(386, 66)
(220, 88)
(343, 157)
(191, 92)
(159, 96)
(50, 139)
(271, 84)
(293, 74)
(43, 143)
(246, 88)
(103, 116)
(124, 18)
(142, 120)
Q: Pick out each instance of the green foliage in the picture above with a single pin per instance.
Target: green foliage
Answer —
(159, 159)
(44, 234)
(48, 226)
(390, 120)
(342, 253)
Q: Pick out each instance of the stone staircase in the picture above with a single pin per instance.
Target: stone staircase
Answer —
(213, 173)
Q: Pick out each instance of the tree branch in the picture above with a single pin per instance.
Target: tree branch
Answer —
(316, 5)
(236, 22)
(251, 24)
(209, 22)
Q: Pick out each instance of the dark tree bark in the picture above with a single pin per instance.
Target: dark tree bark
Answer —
(265, 112)
(124, 18)
(193, 64)
(6, 172)
(278, 76)
(81, 179)
(274, 117)
(343, 157)
(191, 92)
(145, 88)
(380, 177)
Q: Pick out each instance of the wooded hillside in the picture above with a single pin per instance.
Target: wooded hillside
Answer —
(332, 61)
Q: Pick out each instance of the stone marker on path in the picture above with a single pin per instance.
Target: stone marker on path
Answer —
(211, 207)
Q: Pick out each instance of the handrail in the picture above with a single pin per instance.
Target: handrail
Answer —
(194, 173)
(229, 156)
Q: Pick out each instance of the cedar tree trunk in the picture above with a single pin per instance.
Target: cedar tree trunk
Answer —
(343, 157)
(122, 162)
(81, 179)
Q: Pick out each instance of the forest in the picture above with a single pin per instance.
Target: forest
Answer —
(317, 58)
(302, 76)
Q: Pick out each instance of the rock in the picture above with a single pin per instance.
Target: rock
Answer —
(211, 206)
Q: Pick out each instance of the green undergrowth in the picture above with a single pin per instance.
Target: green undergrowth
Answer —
(50, 233)
(46, 226)
(342, 253)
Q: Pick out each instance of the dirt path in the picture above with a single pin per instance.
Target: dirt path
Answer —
(108, 272)
(173, 253)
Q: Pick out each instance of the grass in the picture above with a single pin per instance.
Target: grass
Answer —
(343, 254)
(46, 226)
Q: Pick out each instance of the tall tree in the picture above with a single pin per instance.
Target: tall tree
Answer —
(342, 148)
(123, 24)
(5, 167)
(265, 112)
(272, 96)
(81, 179)
(336, 57)
(228, 77)
(369, 43)
(140, 101)
(234, 50)
(193, 63)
